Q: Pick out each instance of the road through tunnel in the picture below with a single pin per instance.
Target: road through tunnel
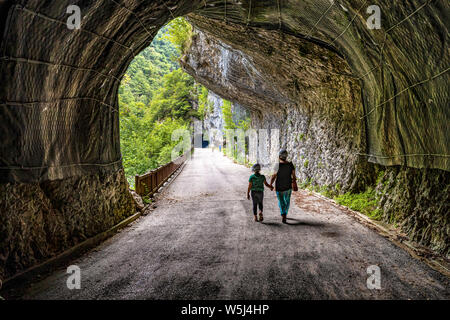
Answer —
(354, 104)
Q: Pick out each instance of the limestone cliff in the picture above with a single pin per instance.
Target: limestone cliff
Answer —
(40, 220)
(312, 98)
(214, 122)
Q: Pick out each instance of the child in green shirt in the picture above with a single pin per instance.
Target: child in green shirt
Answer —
(256, 186)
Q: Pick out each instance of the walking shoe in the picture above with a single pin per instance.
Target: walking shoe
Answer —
(261, 218)
(283, 218)
(256, 218)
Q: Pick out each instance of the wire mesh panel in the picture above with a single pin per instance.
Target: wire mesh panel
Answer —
(403, 66)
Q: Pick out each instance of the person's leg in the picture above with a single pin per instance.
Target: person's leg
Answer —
(283, 202)
(287, 200)
(261, 218)
(255, 205)
(280, 200)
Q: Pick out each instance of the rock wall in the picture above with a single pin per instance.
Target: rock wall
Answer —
(311, 98)
(40, 220)
(418, 200)
(401, 67)
(214, 122)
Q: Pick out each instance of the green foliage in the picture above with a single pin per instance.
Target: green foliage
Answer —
(174, 99)
(380, 178)
(337, 187)
(303, 184)
(155, 98)
(244, 124)
(365, 202)
(145, 73)
(204, 105)
(228, 115)
(146, 199)
(179, 34)
(146, 144)
(306, 163)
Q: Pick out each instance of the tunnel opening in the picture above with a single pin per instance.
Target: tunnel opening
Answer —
(156, 97)
(293, 81)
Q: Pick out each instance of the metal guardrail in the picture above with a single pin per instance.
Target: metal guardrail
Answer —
(149, 183)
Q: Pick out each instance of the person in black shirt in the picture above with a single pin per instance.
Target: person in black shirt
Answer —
(283, 183)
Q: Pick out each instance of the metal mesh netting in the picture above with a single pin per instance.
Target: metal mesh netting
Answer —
(58, 99)
(403, 67)
(59, 108)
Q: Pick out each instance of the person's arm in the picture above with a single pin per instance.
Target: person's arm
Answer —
(248, 190)
(268, 185)
(274, 176)
(293, 172)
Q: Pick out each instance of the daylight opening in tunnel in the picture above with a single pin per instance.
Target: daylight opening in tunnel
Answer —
(156, 97)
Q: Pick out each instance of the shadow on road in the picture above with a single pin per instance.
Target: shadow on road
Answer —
(304, 223)
(273, 224)
(297, 223)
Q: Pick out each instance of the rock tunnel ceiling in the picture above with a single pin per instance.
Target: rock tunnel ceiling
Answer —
(58, 99)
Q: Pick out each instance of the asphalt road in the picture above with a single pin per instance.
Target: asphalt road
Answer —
(201, 243)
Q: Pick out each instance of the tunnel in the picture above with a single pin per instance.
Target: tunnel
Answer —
(364, 105)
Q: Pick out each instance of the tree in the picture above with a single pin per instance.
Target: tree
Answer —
(228, 115)
(179, 34)
(155, 98)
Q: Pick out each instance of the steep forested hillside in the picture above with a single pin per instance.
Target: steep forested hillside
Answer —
(156, 97)
(145, 73)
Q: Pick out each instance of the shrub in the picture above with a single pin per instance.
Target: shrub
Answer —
(365, 202)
